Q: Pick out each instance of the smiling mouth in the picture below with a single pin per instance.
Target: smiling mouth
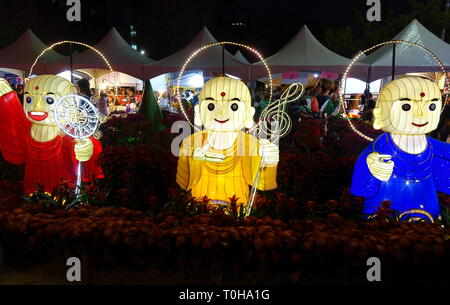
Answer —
(221, 122)
(420, 125)
(37, 115)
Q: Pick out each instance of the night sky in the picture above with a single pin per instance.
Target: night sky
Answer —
(164, 26)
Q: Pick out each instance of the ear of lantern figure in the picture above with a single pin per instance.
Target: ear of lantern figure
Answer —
(197, 116)
(249, 123)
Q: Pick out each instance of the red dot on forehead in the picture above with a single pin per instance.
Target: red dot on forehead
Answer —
(222, 93)
(36, 88)
(422, 94)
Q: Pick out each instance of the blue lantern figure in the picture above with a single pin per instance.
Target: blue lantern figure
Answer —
(404, 165)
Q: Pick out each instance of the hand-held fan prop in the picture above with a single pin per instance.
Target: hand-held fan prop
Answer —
(75, 114)
(78, 118)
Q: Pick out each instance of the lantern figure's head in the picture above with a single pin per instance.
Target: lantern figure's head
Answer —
(40, 96)
(409, 105)
(225, 105)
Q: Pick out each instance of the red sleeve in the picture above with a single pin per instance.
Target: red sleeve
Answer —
(14, 129)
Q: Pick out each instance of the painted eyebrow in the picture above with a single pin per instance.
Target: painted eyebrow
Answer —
(405, 99)
(26, 92)
(236, 99)
(435, 99)
(50, 93)
(209, 99)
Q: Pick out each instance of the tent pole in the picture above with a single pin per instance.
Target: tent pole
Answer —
(71, 63)
(369, 70)
(393, 61)
(223, 60)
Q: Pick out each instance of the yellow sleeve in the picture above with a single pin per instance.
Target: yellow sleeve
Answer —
(189, 170)
(183, 167)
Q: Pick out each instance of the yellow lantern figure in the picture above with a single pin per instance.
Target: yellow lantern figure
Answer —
(403, 165)
(30, 135)
(222, 161)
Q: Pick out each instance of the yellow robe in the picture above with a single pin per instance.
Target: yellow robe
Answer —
(221, 180)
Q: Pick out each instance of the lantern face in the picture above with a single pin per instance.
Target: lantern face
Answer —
(409, 106)
(225, 105)
(41, 94)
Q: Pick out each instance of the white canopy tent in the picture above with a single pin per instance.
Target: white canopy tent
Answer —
(207, 60)
(191, 79)
(21, 54)
(122, 57)
(408, 58)
(239, 56)
(302, 52)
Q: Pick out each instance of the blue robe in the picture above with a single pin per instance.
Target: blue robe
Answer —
(414, 181)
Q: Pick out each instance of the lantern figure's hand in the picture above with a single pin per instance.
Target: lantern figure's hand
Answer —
(201, 153)
(4, 87)
(84, 150)
(269, 152)
(380, 166)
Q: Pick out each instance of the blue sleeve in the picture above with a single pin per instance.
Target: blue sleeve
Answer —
(364, 184)
(441, 165)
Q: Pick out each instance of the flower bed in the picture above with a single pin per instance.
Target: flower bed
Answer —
(216, 243)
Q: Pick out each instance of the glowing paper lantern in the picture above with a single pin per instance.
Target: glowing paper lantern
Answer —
(32, 136)
(404, 165)
(222, 161)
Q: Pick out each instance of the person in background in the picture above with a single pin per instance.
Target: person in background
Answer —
(138, 96)
(315, 109)
(323, 96)
(102, 104)
(264, 102)
(84, 87)
(369, 105)
(122, 98)
(19, 90)
(131, 97)
(330, 107)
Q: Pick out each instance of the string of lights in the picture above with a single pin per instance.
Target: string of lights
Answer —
(358, 56)
(196, 52)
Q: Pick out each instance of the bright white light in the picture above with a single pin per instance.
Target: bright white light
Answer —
(316, 75)
(142, 52)
(232, 76)
(66, 75)
(357, 86)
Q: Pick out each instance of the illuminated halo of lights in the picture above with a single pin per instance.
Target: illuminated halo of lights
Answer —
(199, 50)
(416, 211)
(56, 44)
(344, 77)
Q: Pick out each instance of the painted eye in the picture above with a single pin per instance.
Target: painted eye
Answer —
(406, 107)
(432, 107)
(211, 106)
(49, 100)
(29, 100)
(234, 106)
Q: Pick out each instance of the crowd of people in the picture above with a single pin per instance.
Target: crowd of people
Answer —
(108, 101)
(316, 102)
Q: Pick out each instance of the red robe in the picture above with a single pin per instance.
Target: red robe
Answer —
(45, 162)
